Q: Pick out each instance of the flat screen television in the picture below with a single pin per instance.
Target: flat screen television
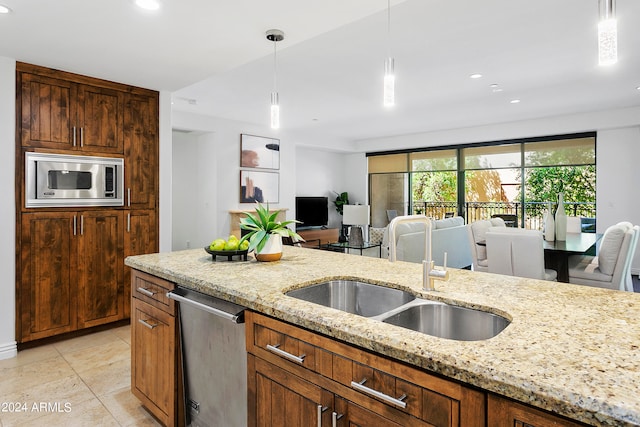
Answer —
(312, 211)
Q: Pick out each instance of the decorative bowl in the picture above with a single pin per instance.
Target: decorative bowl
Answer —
(228, 254)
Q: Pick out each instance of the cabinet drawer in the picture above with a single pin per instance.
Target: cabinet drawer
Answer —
(153, 291)
(290, 349)
(366, 376)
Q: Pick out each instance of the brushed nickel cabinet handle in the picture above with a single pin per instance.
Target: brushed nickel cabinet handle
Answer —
(145, 291)
(73, 136)
(129, 222)
(129, 196)
(276, 350)
(334, 419)
(375, 393)
(81, 137)
(82, 225)
(321, 409)
(147, 324)
(75, 225)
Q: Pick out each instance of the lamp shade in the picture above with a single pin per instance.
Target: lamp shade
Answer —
(355, 214)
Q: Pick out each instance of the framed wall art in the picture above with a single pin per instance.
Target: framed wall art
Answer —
(258, 186)
(259, 152)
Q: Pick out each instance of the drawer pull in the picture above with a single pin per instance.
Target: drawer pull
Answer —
(147, 324)
(276, 350)
(375, 393)
(147, 292)
(334, 419)
(321, 409)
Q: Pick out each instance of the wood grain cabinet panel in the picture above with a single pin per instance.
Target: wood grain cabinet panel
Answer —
(78, 278)
(393, 393)
(502, 412)
(59, 113)
(155, 350)
(47, 288)
(100, 281)
(141, 151)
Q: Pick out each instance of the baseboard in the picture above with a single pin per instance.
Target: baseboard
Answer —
(8, 350)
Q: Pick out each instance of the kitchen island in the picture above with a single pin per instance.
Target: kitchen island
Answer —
(570, 350)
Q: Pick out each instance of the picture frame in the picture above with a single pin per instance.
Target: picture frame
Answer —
(259, 152)
(259, 186)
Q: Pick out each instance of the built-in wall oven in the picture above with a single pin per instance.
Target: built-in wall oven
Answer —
(53, 180)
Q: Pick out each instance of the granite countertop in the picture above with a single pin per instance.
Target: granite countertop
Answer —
(573, 350)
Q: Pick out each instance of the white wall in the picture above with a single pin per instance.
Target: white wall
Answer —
(184, 201)
(218, 171)
(7, 208)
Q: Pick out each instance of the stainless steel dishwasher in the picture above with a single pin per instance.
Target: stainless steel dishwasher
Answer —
(215, 359)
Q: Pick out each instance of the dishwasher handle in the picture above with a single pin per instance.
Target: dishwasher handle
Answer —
(228, 316)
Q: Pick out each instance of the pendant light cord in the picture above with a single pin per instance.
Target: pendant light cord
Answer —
(275, 67)
(389, 28)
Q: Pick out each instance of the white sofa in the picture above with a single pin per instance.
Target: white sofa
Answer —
(447, 235)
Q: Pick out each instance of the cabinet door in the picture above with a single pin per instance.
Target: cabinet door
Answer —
(140, 237)
(349, 414)
(47, 289)
(48, 112)
(153, 360)
(100, 119)
(505, 413)
(100, 268)
(141, 151)
(278, 398)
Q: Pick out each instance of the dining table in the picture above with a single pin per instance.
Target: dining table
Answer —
(557, 252)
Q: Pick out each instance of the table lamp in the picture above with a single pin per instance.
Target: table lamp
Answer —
(355, 216)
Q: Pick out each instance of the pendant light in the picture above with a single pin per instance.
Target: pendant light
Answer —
(275, 36)
(389, 96)
(607, 33)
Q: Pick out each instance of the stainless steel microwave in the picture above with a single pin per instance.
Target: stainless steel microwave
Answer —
(53, 180)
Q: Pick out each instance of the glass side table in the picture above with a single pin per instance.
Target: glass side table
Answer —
(345, 246)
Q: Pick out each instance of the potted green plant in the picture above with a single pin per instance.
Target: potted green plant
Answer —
(341, 200)
(265, 233)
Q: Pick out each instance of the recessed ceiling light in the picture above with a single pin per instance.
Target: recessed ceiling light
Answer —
(515, 101)
(475, 76)
(495, 87)
(4, 9)
(638, 88)
(148, 4)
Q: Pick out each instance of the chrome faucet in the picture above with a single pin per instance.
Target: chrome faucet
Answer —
(429, 272)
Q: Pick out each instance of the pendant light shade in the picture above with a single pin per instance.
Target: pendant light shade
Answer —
(607, 33)
(389, 83)
(389, 88)
(275, 36)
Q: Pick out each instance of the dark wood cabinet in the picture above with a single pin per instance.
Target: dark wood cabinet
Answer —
(47, 289)
(78, 279)
(141, 151)
(70, 276)
(100, 270)
(60, 113)
(502, 412)
(155, 359)
(327, 373)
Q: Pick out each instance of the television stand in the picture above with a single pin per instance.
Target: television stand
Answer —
(324, 235)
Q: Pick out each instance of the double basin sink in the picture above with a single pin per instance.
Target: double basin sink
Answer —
(401, 308)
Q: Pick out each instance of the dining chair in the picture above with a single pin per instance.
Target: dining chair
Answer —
(611, 268)
(574, 224)
(476, 232)
(510, 220)
(518, 253)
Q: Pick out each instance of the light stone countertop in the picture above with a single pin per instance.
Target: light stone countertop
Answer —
(573, 350)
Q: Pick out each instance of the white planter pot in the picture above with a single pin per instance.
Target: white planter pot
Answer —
(272, 250)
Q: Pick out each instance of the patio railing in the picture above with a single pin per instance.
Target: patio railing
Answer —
(532, 213)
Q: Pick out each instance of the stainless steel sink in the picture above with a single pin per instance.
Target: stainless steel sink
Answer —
(354, 297)
(449, 321)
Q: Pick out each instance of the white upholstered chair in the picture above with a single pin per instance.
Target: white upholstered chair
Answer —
(476, 232)
(517, 252)
(611, 268)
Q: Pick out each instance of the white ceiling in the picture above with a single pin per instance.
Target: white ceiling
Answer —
(330, 65)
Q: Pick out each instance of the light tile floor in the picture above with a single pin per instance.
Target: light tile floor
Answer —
(82, 381)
